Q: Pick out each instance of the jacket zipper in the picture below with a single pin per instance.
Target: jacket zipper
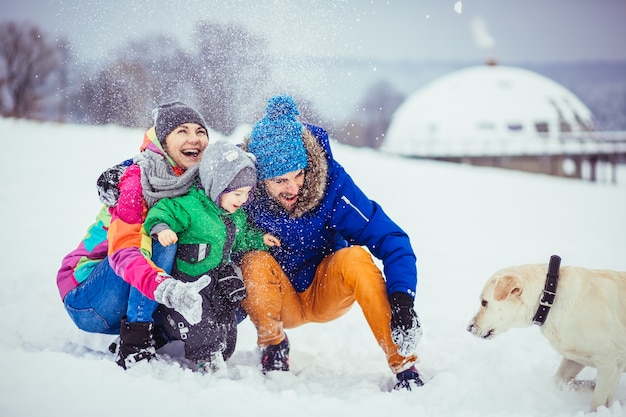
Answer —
(344, 198)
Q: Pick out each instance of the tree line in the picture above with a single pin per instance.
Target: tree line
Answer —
(225, 77)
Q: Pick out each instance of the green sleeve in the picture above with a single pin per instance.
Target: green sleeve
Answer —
(249, 237)
(170, 212)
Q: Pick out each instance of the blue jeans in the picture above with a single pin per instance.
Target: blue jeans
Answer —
(99, 303)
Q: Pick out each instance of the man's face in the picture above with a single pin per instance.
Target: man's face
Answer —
(285, 189)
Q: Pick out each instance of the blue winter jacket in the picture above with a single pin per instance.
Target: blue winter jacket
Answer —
(337, 214)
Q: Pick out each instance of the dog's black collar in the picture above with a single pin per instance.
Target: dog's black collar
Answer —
(549, 291)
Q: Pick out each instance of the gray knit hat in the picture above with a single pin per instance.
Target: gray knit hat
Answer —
(225, 167)
(169, 116)
(246, 178)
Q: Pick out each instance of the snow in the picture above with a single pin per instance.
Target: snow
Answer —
(458, 7)
(465, 223)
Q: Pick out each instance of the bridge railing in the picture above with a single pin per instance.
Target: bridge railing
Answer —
(586, 143)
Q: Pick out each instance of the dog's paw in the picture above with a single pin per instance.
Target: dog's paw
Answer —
(578, 385)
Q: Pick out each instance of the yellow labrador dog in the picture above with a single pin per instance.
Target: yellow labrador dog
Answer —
(582, 313)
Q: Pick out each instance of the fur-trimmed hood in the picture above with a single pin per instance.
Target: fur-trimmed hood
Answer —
(315, 180)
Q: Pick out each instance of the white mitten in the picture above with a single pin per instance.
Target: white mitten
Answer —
(183, 297)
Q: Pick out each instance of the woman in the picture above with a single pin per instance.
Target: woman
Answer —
(108, 282)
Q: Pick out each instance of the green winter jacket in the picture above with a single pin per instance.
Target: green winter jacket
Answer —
(202, 232)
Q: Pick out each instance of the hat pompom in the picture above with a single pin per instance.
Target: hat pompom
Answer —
(281, 106)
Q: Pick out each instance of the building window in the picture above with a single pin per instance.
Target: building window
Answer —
(515, 127)
(542, 128)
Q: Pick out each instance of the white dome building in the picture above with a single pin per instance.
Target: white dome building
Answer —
(486, 110)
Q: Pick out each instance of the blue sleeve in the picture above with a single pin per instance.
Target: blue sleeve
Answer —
(362, 221)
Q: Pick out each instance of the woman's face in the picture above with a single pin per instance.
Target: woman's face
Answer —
(186, 143)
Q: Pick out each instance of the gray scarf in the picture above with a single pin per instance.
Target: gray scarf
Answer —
(158, 179)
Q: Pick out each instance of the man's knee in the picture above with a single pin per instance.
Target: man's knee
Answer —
(355, 263)
(353, 254)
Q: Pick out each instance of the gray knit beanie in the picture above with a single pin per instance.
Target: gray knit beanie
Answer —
(169, 116)
(225, 167)
(245, 178)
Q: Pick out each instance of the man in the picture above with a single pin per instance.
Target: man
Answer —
(323, 220)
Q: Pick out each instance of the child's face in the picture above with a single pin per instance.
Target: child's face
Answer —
(232, 200)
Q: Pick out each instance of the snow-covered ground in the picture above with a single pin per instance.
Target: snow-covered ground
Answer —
(464, 222)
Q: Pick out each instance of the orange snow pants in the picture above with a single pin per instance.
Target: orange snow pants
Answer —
(342, 278)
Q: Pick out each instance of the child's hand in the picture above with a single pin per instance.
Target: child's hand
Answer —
(271, 240)
(167, 237)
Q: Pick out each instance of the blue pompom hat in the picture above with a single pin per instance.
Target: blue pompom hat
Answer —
(276, 139)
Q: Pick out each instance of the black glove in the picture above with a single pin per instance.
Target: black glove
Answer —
(230, 286)
(108, 183)
(405, 325)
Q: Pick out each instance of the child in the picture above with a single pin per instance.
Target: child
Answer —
(208, 226)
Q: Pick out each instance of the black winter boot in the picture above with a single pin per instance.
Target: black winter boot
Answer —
(136, 344)
(408, 379)
(276, 357)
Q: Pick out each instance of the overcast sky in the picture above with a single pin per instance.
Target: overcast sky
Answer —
(419, 30)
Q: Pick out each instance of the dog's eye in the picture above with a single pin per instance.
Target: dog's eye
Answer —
(484, 303)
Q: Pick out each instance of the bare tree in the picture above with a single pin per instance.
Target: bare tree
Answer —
(63, 81)
(369, 125)
(146, 72)
(228, 68)
(170, 67)
(231, 66)
(118, 95)
(28, 63)
(309, 114)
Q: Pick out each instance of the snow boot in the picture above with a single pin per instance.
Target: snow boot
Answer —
(408, 379)
(136, 343)
(114, 345)
(214, 364)
(160, 340)
(276, 357)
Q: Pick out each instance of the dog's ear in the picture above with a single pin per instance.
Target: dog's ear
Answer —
(507, 285)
